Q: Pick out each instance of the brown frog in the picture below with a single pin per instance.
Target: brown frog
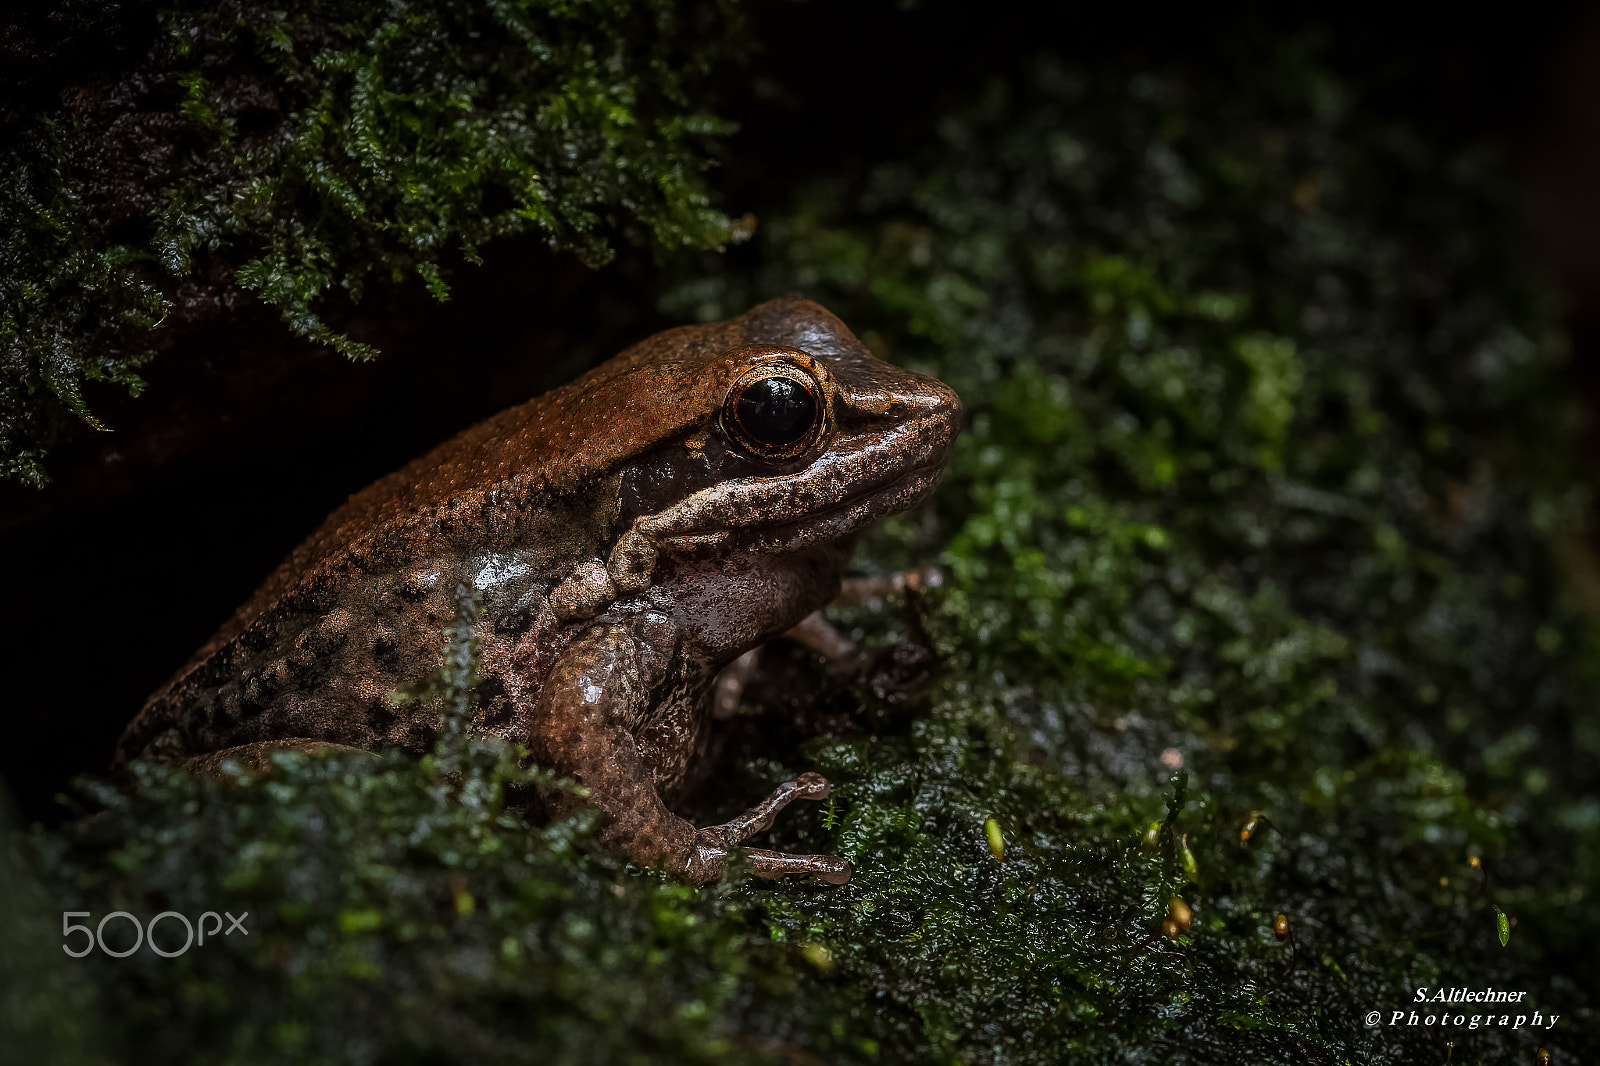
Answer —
(629, 535)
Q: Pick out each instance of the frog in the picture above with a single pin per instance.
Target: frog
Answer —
(626, 536)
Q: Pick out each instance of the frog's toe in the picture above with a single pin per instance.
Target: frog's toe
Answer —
(809, 786)
(813, 786)
(772, 864)
(832, 869)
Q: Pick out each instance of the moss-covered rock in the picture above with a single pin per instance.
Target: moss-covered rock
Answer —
(298, 151)
(1267, 472)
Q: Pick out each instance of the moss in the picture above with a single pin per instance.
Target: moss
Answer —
(304, 150)
(1267, 468)
(1267, 464)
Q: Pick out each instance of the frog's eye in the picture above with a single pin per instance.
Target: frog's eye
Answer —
(774, 411)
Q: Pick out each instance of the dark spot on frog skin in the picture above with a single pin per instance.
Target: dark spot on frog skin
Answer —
(494, 703)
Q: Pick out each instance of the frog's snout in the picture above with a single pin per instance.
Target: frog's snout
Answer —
(918, 411)
(943, 410)
(927, 417)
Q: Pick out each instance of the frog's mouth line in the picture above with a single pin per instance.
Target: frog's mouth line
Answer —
(825, 524)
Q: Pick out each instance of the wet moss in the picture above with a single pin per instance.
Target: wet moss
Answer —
(1269, 477)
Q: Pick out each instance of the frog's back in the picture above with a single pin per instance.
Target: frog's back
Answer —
(359, 608)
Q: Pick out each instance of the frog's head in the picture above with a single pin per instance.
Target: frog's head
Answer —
(802, 438)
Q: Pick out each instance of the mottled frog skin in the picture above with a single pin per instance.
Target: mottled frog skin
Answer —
(629, 534)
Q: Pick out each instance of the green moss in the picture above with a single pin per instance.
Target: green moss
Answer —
(305, 150)
(1268, 456)
(1267, 461)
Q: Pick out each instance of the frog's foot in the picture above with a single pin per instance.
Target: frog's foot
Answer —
(775, 864)
(712, 842)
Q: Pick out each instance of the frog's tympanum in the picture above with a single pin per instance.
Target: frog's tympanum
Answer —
(628, 534)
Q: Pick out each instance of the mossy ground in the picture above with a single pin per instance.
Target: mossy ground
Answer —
(1269, 470)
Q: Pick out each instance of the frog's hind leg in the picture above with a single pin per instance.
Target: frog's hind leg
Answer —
(817, 633)
(765, 863)
(814, 632)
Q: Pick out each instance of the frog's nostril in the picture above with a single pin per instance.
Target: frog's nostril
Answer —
(939, 403)
(949, 405)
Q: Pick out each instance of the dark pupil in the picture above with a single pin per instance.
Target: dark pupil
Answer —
(776, 411)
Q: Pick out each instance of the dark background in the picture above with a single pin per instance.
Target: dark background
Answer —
(152, 534)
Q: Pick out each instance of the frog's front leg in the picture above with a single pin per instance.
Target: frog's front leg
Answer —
(584, 726)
